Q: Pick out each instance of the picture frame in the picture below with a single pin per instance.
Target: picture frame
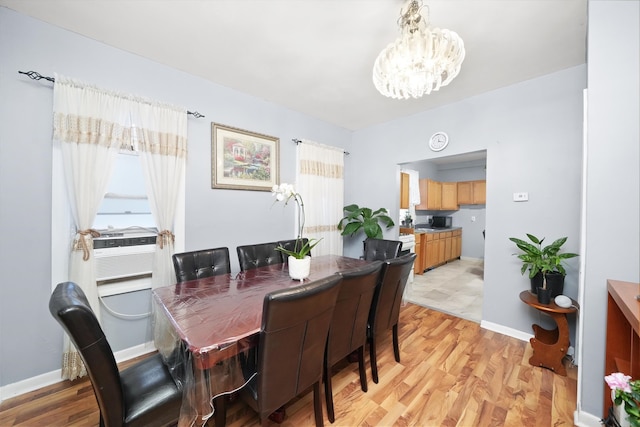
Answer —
(243, 160)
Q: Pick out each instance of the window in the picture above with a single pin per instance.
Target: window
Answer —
(125, 204)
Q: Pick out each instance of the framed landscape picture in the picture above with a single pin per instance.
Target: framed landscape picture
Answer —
(243, 160)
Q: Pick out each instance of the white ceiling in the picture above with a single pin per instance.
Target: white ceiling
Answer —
(316, 56)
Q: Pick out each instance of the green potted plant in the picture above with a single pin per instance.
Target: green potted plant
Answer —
(365, 219)
(545, 263)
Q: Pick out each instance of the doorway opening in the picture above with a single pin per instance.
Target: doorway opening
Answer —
(455, 286)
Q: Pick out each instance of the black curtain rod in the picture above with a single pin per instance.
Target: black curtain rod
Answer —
(299, 141)
(33, 75)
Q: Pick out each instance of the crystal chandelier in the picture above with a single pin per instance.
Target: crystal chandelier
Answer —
(421, 60)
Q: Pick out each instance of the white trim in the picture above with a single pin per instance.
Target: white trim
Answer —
(583, 245)
(514, 333)
(30, 384)
(585, 419)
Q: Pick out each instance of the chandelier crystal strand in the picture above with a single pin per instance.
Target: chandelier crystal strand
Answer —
(420, 61)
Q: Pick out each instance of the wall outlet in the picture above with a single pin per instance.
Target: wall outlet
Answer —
(473, 219)
(520, 197)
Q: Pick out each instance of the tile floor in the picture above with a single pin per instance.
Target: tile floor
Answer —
(454, 288)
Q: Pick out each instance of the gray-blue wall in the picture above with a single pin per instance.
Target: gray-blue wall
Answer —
(532, 131)
(612, 205)
(31, 340)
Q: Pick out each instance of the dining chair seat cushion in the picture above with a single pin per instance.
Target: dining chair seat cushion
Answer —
(150, 394)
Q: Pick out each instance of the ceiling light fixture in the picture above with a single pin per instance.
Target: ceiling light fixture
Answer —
(421, 60)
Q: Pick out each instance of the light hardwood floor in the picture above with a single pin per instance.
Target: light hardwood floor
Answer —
(452, 373)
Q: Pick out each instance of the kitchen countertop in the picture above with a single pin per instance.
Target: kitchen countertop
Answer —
(435, 230)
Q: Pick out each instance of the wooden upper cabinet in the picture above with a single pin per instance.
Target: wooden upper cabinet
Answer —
(449, 201)
(480, 192)
(404, 190)
(472, 192)
(430, 195)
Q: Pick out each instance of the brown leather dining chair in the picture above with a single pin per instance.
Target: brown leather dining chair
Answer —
(144, 394)
(202, 263)
(348, 330)
(291, 346)
(385, 307)
(258, 255)
(381, 249)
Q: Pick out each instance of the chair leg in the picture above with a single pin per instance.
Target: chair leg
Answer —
(363, 371)
(317, 404)
(220, 405)
(372, 358)
(396, 347)
(328, 391)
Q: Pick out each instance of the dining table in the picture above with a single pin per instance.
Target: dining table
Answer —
(205, 328)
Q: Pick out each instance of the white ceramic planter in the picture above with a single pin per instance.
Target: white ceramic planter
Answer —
(299, 268)
(620, 413)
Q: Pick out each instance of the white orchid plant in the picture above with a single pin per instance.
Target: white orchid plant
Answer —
(285, 192)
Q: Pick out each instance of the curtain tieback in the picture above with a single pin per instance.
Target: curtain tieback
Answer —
(165, 236)
(82, 243)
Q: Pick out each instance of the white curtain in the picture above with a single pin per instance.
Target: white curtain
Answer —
(90, 127)
(162, 144)
(320, 181)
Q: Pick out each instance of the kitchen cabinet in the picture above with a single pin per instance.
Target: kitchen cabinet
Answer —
(441, 247)
(456, 242)
(438, 196)
(447, 245)
(472, 192)
(449, 196)
(418, 263)
(431, 251)
(430, 195)
(404, 190)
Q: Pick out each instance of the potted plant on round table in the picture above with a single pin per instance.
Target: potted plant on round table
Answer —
(544, 263)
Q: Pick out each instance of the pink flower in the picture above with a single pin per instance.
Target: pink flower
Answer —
(619, 381)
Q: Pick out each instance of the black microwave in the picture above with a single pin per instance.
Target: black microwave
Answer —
(441, 222)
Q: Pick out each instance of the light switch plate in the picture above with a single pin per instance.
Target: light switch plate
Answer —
(520, 197)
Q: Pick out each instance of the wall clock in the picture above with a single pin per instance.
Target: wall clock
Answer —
(438, 141)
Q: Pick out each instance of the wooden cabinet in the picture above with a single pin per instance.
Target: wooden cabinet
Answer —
(431, 251)
(430, 195)
(622, 351)
(404, 190)
(449, 198)
(472, 192)
(456, 242)
(418, 263)
(480, 192)
(447, 245)
(438, 196)
(440, 248)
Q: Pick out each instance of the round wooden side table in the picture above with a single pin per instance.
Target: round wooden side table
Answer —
(550, 346)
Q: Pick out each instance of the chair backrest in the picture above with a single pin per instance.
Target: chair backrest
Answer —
(385, 308)
(292, 245)
(381, 250)
(295, 326)
(348, 330)
(258, 255)
(69, 306)
(203, 263)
